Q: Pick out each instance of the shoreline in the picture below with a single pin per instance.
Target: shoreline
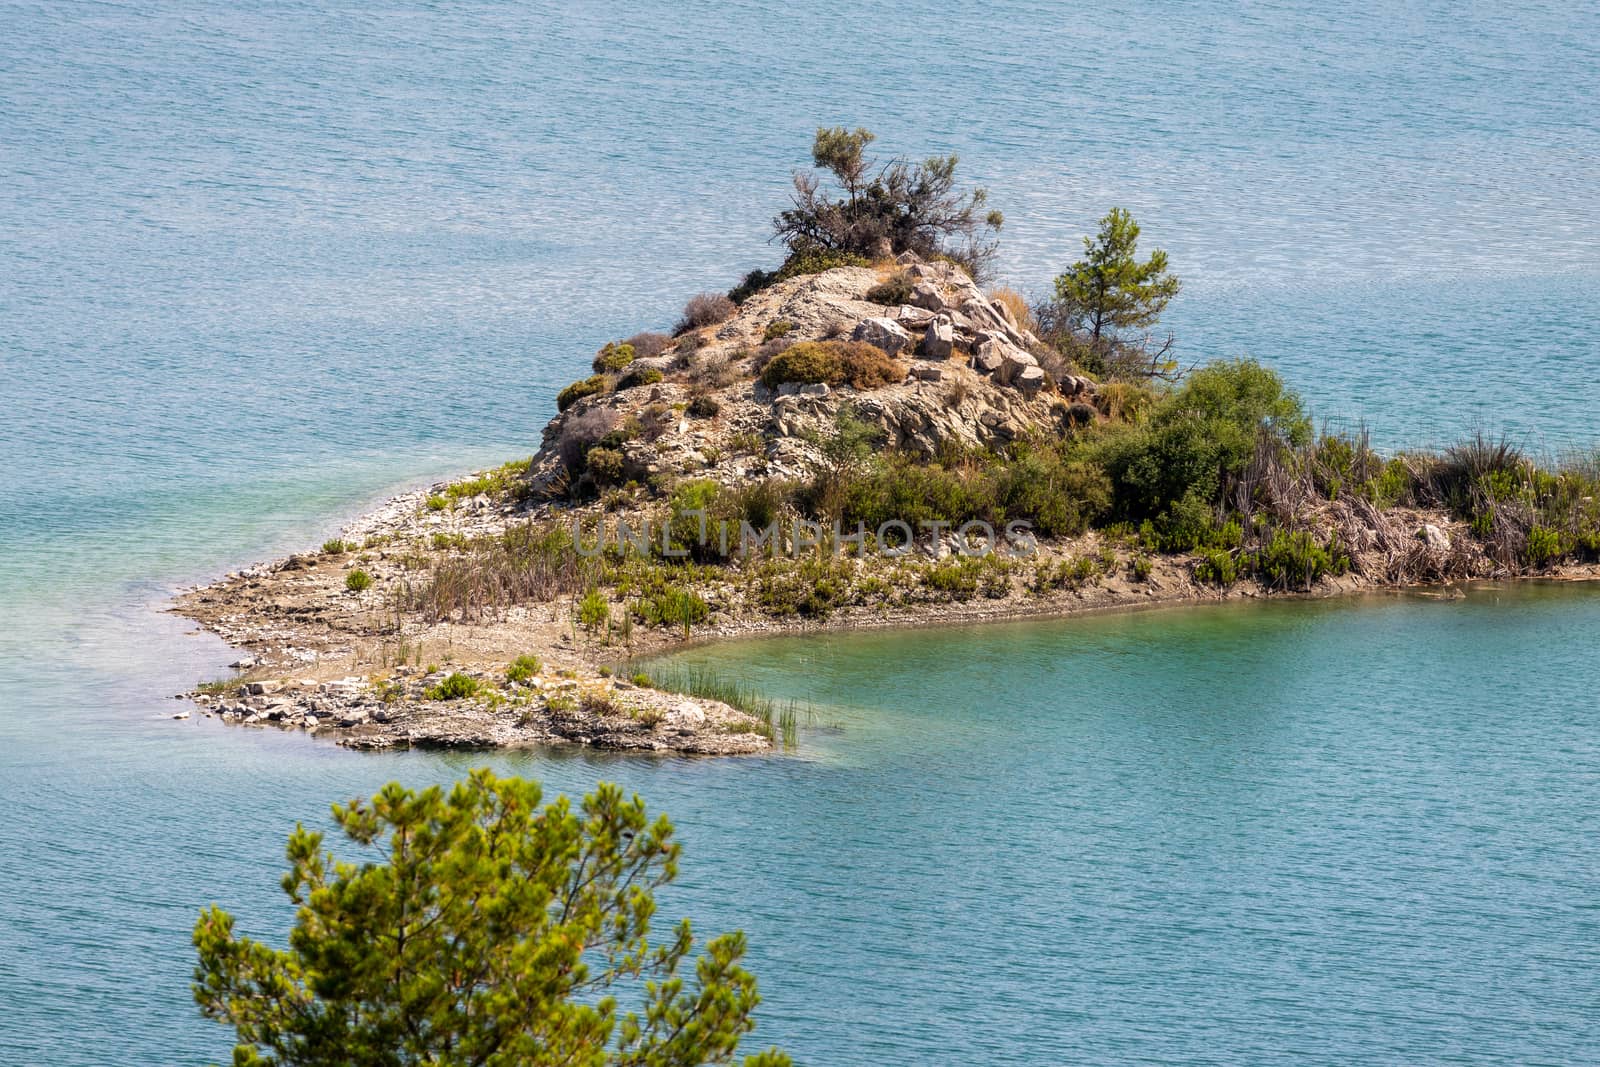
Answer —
(296, 676)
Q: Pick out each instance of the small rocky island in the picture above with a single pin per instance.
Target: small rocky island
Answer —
(865, 437)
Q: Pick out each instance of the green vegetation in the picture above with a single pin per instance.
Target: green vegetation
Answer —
(504, 480)
(488, 930)
(706, 684)
(522, 670)
(358, 581)
(777, 328)
(336, 547)
(862, 365)
(591, 386)
(1102, 300)
(457, 686)
(594, 611)
(896, 290)
(884, 210)
(613, 357)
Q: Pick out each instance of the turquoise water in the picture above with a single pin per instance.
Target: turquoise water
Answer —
(261, 264)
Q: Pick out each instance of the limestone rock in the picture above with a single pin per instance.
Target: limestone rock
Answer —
(1433, 536)
(926, 295)
(927, 372)
(940, 340)
(887, 334)
(1029, 380)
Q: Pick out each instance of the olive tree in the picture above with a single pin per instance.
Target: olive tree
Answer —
(494, 931)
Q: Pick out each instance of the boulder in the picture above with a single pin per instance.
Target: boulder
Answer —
(913, 318)
(987, 357)
(1013, 361)
(814, 389)
(940, 340)
(927, 372)
(1029, 380)
(1433, 536)
(887, 334)
(926, 295)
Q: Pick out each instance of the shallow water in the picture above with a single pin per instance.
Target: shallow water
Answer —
(262, 264)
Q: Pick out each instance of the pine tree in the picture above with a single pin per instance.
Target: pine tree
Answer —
(493, 935)
(1110, 290)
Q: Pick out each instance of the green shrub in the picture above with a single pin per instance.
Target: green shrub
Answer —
(895, 290)
(857, 363)
(1200, 438)
(1297, 561)
(1141, 568)
(457, 686)
(336, 547)
(776, 329)
(642, 680)
(1544, 547)
(436, 502)
(604, 465)
(640, 376)
(672, 606)
(809, 362)
(593, 610)
(522, 669)
(1217, 567)
(612, 358)
(703, 406)
(575, 392)
(358, 581)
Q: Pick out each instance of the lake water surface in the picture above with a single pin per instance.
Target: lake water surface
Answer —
(261, 264)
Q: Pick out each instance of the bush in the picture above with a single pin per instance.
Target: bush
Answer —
(456, 687)
(522, 669)
(706, 309)
(703, 406)
(857, 363)
(672, 606)
(1217, 567)
(640, 376)
(776, 329)
(575, 392)
(1544, 547)
(898, 207)
(1198, 441)
(895, 290)
(648, 345)
(358, 581)
(612, 358)
(336, 547)
(811, 361)
(593, 610)
(1297, 561)
(604, 466)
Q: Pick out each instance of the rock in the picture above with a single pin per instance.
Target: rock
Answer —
(257, 689)
(907, 258)
(913, 318)
(815, 389)
(312, 722)
(184, 714)
(987, 357)
(927, 372)
(1433, 536)
(686, 716)
(1013, 361)
(940, 340)
(926, 295)
(242, 664)
(788, 388)
(887, 334)
(1029, 380)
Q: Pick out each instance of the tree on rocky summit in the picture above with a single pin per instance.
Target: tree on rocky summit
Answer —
(495, 933)
(897, 207)
(1109, 292)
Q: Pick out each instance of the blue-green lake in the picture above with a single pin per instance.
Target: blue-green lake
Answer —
(261, 264)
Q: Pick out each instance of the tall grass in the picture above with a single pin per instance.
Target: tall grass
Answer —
(705, 683)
